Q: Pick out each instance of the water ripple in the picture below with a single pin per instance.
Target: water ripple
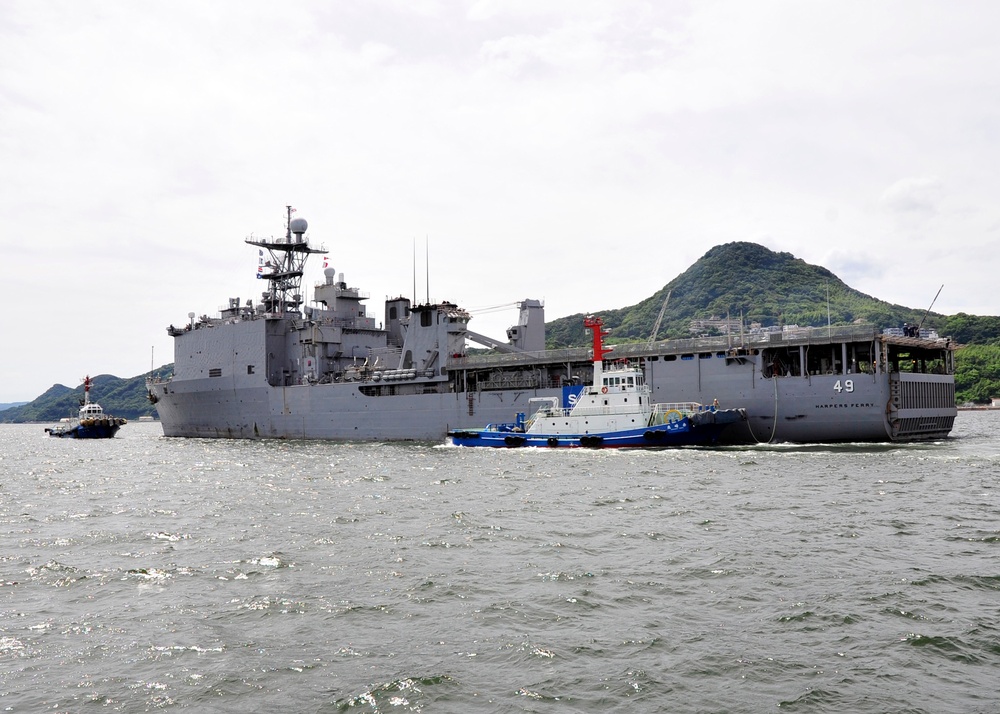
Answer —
(171, 574)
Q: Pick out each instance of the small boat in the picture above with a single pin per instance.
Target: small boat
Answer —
(92, 422)
(615, 411)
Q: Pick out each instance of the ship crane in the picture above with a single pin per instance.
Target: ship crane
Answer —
(659, 318)
(929, 309)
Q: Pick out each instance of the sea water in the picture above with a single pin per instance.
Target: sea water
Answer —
(143, 573)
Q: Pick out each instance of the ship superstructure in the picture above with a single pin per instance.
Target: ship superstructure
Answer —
(284, 369)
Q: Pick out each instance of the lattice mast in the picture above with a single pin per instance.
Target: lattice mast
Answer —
(287, 261)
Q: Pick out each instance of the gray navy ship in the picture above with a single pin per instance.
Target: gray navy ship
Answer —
(328, 370)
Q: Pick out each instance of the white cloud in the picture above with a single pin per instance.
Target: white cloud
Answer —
(913, 195)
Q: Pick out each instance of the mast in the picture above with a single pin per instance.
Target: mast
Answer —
(288, 258)
(594, 324)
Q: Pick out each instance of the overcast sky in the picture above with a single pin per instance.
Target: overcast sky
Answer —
(582, 153)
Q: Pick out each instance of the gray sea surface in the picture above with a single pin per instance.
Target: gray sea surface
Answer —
(145, 574)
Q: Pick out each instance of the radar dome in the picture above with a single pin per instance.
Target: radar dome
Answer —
(329, 272)
(298, 225)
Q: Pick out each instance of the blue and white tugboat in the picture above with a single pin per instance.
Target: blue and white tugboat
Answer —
(616, 410)
(92, 422)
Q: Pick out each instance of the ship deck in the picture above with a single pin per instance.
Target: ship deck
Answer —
(727, 345)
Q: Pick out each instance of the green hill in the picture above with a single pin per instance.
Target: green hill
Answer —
(744, 278)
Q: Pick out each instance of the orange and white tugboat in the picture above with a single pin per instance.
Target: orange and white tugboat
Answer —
(92, 422)
(616, 410)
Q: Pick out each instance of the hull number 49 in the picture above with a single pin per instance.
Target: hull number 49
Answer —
(846, 386)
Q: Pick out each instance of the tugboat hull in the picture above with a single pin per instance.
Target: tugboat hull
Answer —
(104, 430)
(673, 434)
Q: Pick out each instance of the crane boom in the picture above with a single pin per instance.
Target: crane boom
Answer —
(659, 318)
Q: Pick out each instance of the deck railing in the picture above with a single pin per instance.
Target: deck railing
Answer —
(634, 350)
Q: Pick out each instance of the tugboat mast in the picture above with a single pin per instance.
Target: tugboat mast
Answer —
(595, 325)
(288, 258)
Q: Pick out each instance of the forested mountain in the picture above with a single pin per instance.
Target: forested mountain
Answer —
(737, 278)
(745, 278)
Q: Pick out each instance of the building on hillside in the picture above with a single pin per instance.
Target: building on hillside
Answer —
(715, 325)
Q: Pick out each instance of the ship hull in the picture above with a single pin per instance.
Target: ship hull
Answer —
(98, 431)
(810, 409)
(327, 411)
(671, 435)
(815, 408)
